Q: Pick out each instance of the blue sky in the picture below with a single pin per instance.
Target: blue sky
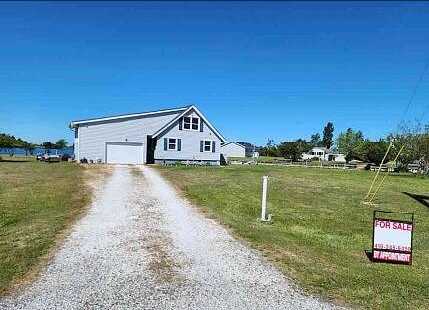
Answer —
(276, 70)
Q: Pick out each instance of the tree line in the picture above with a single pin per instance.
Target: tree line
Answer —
(10, 142)
(354, 145)
(293, 149)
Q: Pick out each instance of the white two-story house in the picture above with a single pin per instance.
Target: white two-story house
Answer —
(165, 136)
(323, 153)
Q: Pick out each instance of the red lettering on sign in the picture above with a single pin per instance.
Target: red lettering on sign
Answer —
(389, 256)
(393, 225)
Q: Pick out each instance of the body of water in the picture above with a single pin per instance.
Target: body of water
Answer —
(17, 151)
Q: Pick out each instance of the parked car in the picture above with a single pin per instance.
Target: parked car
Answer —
(50, 158)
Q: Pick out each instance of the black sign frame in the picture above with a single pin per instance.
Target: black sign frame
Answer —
(374, 218)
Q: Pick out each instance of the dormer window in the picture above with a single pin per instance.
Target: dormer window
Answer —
(191, 123)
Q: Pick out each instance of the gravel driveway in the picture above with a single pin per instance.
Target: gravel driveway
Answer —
(141, 246)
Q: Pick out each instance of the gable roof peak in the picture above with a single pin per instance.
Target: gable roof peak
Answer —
(178, 117)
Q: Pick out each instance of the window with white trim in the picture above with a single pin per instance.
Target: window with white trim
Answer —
(172, 144)
(191, 123)
(208, 146)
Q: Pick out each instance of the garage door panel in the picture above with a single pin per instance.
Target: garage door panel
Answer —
(124, 153)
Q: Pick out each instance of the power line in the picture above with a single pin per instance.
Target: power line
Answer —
(410, 101)
(413, 95)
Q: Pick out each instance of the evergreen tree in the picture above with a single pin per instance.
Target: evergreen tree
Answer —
(328, 135)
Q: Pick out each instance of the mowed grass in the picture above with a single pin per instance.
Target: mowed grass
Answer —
(320, 229)
(260, 159)
(37, 202)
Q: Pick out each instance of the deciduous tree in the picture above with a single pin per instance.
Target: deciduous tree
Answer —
(415, 138)
(293, 150)
(10, 142)
(29, 148)
(350, 143)
(48, 146)
(60, 144)
(372, 151)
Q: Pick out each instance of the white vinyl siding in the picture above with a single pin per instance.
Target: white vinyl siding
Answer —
(190, 144)
(93, 138)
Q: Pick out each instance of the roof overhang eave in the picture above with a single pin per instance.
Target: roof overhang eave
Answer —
(125, 116)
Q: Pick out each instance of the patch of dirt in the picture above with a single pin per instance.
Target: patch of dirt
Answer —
(161, 263)
(96, 174)
(155, 239)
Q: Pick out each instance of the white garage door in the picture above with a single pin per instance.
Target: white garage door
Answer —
(124, 153)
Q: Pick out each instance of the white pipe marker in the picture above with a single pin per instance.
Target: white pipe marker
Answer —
(264, 200)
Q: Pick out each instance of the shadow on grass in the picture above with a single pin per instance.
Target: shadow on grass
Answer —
(369, 255)
(423, 199)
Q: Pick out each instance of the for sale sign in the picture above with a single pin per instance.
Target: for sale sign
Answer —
(392, 239)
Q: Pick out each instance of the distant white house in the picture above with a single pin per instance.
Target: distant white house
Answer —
(232, 149)
(323, 153)
(251, 149)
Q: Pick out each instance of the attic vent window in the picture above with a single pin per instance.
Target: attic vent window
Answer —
(191, 123)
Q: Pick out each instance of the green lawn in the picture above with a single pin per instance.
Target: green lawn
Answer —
(320, 229)
(37, 202)
(260, 159)
(277, 160)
